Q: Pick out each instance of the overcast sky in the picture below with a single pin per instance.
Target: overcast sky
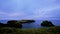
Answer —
(29, 9)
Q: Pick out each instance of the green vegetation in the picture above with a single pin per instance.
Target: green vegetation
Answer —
(15, 27)
(48, 30)
(47, 23)
(14, 23)
(11, 23)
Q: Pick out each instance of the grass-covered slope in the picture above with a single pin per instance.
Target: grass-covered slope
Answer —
(49, 30)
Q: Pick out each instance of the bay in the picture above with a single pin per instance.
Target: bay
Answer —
(36, 24)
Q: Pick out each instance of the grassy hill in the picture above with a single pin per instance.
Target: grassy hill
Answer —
(49, 30)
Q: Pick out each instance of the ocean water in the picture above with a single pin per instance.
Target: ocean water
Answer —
(36, 24)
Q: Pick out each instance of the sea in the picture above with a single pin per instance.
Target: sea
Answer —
(36, 24)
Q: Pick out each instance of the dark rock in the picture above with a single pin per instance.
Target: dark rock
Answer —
(14, 23)
(47, 23)
(26, 21)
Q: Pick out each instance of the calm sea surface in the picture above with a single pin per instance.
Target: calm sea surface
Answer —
(36, 24)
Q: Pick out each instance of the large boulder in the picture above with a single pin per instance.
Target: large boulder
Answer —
(47, 23)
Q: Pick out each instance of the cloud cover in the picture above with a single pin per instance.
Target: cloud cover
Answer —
(29, 9)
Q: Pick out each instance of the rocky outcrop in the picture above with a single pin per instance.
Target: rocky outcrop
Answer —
(26, 21)
(14, 23)
(47, 23)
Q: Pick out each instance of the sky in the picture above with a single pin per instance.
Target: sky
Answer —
(29, 9)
